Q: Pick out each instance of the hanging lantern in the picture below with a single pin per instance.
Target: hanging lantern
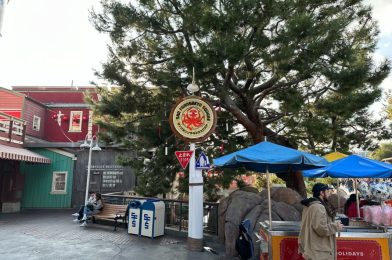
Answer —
(54, 116)
(65, 118)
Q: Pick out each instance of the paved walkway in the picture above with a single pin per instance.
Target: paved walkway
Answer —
(51, 234)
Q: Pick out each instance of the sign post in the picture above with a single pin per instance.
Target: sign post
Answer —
(193, 120)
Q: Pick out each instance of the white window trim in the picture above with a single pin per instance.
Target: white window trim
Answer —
(37, 126)
(54, 182)
(71, 119)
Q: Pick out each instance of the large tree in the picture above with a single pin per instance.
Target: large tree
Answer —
(299, 72)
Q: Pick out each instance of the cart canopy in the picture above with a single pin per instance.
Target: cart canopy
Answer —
(352, 166)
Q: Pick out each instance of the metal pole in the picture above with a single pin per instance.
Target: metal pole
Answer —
(356, 194)
(338, 209)
(195, 213)
(88, 177)
(180, 226)
(338, 195)
(269, 199)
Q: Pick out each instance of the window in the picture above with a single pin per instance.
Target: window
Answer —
(59, 183)
(75, 124)
(36, 123)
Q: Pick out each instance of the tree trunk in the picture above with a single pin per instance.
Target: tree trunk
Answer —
(295, 181)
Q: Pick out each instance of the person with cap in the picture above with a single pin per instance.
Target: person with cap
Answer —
(317, 238)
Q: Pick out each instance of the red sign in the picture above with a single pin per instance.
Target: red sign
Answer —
(359, 249)
(184, 157)
(348, 249)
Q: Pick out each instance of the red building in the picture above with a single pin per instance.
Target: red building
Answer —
(56, 121)
(53, 114)
(42, 117)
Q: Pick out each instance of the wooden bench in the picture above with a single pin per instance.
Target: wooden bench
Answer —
(112, 212)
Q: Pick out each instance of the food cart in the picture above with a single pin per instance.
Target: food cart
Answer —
(354, 243)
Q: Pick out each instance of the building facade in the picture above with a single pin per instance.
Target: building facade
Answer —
(56, 121)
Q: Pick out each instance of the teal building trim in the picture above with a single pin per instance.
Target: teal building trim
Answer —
(48, 185)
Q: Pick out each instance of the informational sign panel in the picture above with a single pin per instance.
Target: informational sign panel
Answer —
(203, 163)
(112, 175)
(184, 157)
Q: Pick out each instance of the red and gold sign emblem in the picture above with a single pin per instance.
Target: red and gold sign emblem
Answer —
(192, 119)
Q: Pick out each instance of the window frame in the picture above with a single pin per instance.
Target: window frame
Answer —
(73, 128)
(54, 175)
(36, 126)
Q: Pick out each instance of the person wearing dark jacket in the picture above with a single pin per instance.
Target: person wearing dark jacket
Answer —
(317, 238)
(96, 207)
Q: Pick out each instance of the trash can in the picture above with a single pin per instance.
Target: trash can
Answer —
(153, 218)
(134, 213)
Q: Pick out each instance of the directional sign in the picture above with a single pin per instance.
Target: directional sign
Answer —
(184, 157)
(202, 162)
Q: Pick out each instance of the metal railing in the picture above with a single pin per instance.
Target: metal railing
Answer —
(176, 211)
(11, 129)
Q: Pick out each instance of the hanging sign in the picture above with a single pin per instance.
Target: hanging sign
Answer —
(203, 163)
(192, 119)
(184, 157)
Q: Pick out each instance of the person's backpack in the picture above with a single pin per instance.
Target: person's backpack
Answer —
(244, 242)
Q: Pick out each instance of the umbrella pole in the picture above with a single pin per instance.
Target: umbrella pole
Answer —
(356, 194)
(269, 199)
(338, 194)
(338, 207)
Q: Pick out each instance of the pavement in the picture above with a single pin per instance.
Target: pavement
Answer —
(51, 234)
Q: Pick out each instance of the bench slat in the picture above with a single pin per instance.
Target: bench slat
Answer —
(111, 210)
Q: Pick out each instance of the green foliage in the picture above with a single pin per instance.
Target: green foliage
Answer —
(301, 70)
(384, 151)
(261, 182)
(310, 182)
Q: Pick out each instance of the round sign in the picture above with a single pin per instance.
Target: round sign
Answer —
(192, 119)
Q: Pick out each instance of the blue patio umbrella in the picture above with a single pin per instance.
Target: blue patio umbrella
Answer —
(268, 157)
(352, 166)
(272, 157)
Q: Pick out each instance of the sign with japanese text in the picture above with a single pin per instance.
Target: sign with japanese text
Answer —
(184, 157)
(192, 119)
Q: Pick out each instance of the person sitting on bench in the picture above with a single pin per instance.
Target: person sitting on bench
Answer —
(92, 210)
(90, 201)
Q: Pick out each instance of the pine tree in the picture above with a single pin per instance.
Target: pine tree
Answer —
(299, 72)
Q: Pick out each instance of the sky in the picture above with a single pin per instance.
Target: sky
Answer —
(52, 42)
